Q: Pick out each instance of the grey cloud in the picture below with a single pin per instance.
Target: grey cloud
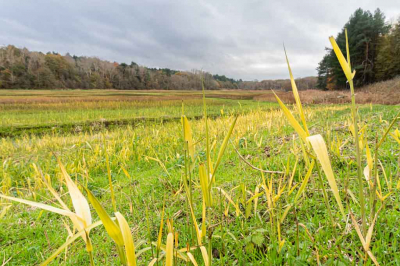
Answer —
(240, 39)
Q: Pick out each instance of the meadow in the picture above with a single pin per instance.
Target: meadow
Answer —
(36, 111)
(222, 179)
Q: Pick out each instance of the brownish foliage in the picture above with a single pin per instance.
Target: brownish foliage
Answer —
(386, 92)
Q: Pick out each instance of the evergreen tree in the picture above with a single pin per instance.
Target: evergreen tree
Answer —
(323, 72)
(364, 31)
(388, 54)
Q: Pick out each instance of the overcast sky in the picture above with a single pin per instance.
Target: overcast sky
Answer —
(237, 38)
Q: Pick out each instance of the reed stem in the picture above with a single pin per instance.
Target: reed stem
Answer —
(358, 155)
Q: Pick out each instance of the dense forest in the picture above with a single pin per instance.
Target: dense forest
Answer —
(374, 49)
(24, 69)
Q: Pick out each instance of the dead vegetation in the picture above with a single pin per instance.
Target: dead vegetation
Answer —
(386, 92)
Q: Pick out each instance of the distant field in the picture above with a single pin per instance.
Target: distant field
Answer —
(40, 110)
(37, 111)
(57, 96)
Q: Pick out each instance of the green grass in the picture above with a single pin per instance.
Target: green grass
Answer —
(71, 110)
(262, 135)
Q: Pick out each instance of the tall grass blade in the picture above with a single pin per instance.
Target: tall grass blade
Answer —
(305, 182)
(205, 256)
(159, 239)
(170, 250)
(343, 63)
(238, 211)
(128, 240)
(187, 134)
(192, 259)
(296, 95)
(318, 144)
(79, 202)
(41, 206)
(204, 183)
(367, 241)
(203, 220)
(196, 226)
(208, 149)
(388, 130)
(303, 135)
(110, 181)
(222, 149)
(111, 227)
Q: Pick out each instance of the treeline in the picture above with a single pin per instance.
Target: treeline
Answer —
(374, 49)
(24, 69)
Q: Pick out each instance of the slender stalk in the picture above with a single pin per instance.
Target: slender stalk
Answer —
(346, 187)
(210, 247)
(329, 212)
(377, 145)
(149, 230)
(188, 188)
(358, 155)
(297, 232)
(221, 258)
(188, 172)
(110, 178)
(208, 150)
(375, 178)
(91, 258)
(120, 250)
(328, 206)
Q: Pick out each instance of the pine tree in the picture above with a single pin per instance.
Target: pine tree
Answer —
(323, 72)
(364, 31)
(388, 54)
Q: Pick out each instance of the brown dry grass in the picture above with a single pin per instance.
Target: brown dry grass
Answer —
(65, 96)
(386, 92)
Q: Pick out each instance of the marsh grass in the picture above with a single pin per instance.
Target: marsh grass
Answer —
(177, 193)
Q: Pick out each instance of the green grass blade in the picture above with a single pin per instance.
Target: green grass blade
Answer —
(111, 227)
(222, 150)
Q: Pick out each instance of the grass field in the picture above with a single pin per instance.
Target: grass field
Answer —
(247, 223)
(25, 111)
(35, 111)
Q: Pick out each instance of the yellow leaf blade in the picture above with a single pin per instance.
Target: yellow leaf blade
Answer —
(303, 135)
(80, 203)
(229, 199)
(187, 134)
(296, 95)
(204, 183)
(222, 150)
(205, 256)
(343, 63)
(170, 249)
(153, 261)
(192, 259)
(360, 236)
(41, 206)
(318, 144)
(305, 181)
(128, 240)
